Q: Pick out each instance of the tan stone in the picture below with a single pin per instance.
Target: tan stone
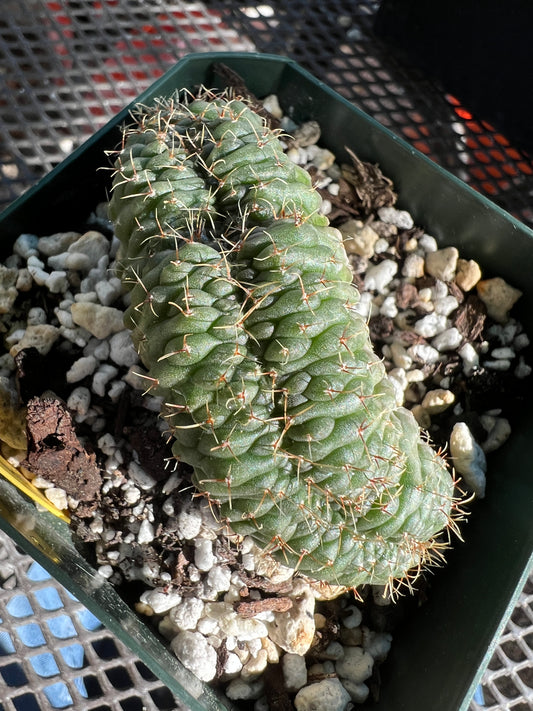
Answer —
(468, 274)
(358, 238)
(442, 263)
(294, 630)
(42, 337)
(100, 321)
(438, 400)
(499, 297)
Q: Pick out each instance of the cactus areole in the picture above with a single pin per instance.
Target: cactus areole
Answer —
(242, 311)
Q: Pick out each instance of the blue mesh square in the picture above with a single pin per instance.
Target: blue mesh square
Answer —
(44, 664)
(37, 573)
(48, 599)
(62, 627)
(88, 620)
(58, 695)
(73, 655)
(19, 606)
(31, 635)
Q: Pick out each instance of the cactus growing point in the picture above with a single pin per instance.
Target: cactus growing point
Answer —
(242, 310)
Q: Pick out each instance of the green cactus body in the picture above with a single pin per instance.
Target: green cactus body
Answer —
(242, 310)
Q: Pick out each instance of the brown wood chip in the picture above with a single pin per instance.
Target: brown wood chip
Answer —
(406, 295)
(470, 318)
(56, 453)
(259, 583)
(371, 190)
(267, 604)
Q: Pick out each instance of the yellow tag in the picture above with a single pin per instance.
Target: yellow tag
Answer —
(9, 472)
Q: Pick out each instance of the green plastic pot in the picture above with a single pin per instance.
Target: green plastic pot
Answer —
(439, 653)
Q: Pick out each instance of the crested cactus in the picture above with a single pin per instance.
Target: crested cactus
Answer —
(242, 310)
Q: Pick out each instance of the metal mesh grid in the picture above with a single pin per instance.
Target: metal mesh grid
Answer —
(67, 66)
(55, 654)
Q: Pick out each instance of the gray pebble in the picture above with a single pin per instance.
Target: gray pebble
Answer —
(356, 664)
(294, 671)
(26, 246)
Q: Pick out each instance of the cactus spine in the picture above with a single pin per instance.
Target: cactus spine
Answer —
(242, 312)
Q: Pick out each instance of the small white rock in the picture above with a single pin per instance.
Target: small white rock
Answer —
(523, 369)
(470, 358)
(93, 245)
(392, 216)
(468, 458)
(500, 364)
(358, 238)
(160, 601)
(140, 476)
(36, 316)
(271, 104)
(423, 353)
(388, 307)
(101, 378)
(108, 291)
(57, 497)
(428, 243)
(79, 400)
(42, 337)
(196, 654)
(255, 665)
(447, 340)
(400, 356)
(358, 692)
(232, 665)
(430, 325)
(377, 644)
(503, 353)
(186, 614)
(121, 349)
(521, 341)
(203, 554)
(81, 368)
(445, 305)
(189, 523)
(326, 695)
(219, 578)
(146, 533)
(379, 276)
(413, 266)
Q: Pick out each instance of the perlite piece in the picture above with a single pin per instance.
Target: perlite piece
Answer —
(242, 310)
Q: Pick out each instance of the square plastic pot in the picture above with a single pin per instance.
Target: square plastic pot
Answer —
(440, 652)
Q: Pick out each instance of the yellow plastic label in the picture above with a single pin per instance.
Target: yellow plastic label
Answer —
(9, 472)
